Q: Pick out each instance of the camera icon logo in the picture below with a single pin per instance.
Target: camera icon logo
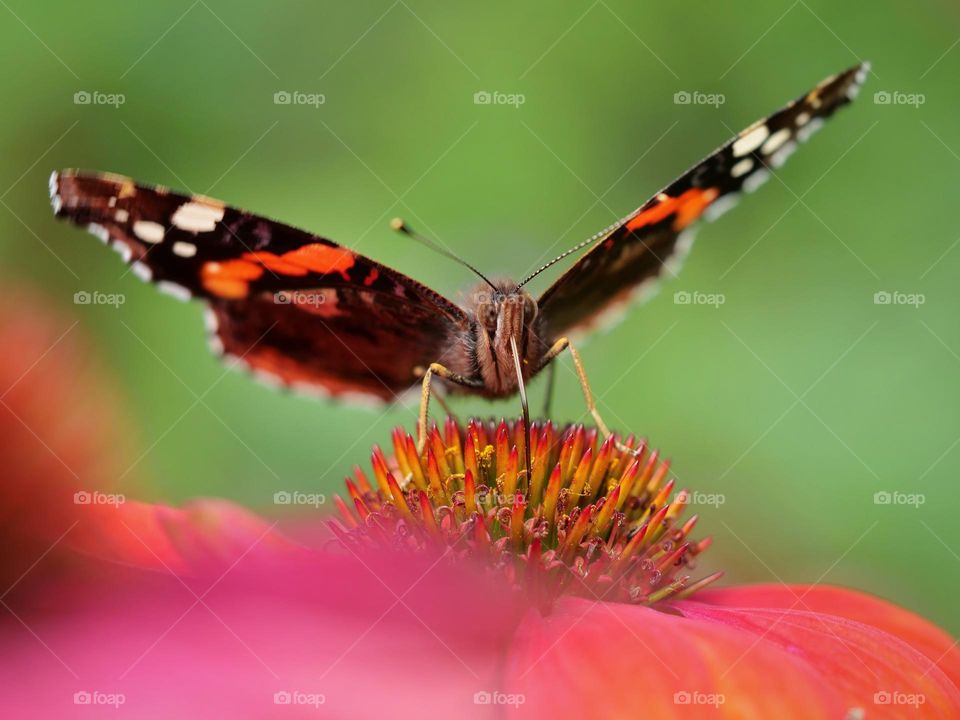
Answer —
(282, 697)
(882, 298)
(282, 497)
(82, 97)
(82, 697)
(682, 97)
(82, 497)
(682, 297)
(882, 97)
(482, 698)
(682, 697)
(882, 498)
(882, 698)
(282, 97)
(281, 298)
(482, 97)
(82, 297)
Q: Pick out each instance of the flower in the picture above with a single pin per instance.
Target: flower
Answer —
(596, 519)
(63, 445)
(454, 588)
(598, 541)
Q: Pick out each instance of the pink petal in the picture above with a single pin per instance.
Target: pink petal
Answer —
(375, 637)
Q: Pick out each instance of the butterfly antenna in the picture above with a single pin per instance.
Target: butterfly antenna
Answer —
(561, 256)
(523, 404)
(400, 226)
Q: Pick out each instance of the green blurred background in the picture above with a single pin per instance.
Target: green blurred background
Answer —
(797, 399)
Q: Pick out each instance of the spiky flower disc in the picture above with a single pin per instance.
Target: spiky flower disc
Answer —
(592, 519)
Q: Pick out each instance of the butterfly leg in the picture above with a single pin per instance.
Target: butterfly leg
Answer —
(449, 375)
(558, 347)
(548, 396)
(522, 389)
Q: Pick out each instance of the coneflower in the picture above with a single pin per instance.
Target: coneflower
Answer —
(595, 518)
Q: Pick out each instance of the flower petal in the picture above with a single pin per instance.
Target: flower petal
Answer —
(867, 665)
(322, 635)
(610, 660)
(62, 449)
(919, 633)
(202, 535)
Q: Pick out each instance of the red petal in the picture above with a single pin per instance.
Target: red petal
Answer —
(62, 450)
(157, 537)
(877, 656)
(600, 660)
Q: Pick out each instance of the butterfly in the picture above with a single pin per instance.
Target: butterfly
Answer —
(302, 310)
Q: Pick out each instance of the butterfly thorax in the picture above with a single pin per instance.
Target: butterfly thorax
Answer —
(496, 315)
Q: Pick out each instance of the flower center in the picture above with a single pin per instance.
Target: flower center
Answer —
(592, 519)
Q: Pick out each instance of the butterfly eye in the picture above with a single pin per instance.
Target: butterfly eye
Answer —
(487, 315)
(530, 309)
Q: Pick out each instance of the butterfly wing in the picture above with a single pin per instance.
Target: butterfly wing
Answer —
(291, 305)
(627, 257)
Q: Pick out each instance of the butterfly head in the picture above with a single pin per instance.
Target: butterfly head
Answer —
(502, 312)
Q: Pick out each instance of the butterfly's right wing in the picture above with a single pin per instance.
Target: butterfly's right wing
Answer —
(636, 251)
(293, 306)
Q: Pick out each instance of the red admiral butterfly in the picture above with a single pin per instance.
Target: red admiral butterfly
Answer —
(302, 309)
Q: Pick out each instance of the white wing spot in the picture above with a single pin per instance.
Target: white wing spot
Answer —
(804, 133)
(148, 231)
(267, 378)
(775, 141)
(184, 249)
(123, 250)
(742, 167)
(749, 140)
(756, 180)
(121, 216)
(781, 155)
(142, 271)
(173, 290)
(802, 119)
(720, 206)
(100, 232)
(210, 320)
(197, 217)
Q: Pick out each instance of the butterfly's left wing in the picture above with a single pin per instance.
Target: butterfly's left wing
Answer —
(293, 306)
(634, 252)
